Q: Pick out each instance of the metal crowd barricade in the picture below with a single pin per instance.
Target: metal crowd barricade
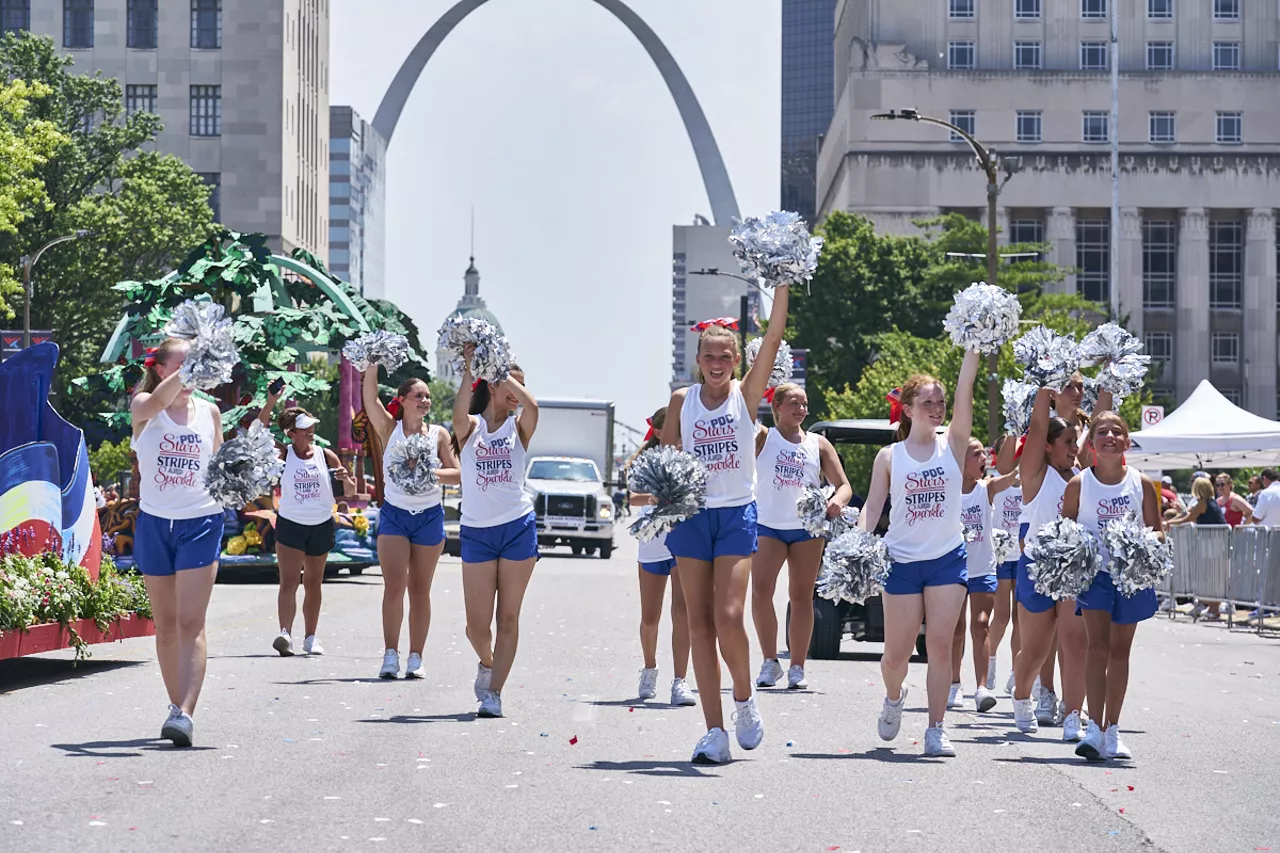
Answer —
(1239, 566)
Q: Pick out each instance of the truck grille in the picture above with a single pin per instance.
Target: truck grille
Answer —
(566, 505)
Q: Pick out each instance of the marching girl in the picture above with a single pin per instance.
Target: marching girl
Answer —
(928, 582)
(715, 420)
(178, 532)
(410, 527)
(1006, 511)
(304, 523)
(492, 426)
(656, 565)
(1101, 494)
(788, 459)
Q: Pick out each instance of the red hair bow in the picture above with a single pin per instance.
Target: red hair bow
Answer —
(1022, 442)
(727, 322)
(768, 394)
(648, 435)
(475, 383)
(393, 408)
(895, 405)
(150, 360)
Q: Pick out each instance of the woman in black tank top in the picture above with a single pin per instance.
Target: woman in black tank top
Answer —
(1206, 511)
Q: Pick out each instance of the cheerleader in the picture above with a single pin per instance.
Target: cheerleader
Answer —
(304, 520)
(410, 527)
(788, 459)
(492, 427)
(928, 582)
(178, 531)
(656, 565)
(1106, 492)
(1047, 465)
(715, 420)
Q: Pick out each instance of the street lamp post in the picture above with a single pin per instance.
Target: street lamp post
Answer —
(29, 261)
(744, 304)
(990, 164)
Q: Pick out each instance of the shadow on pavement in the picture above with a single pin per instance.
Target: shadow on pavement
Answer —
(372, 679)
(633, 703)
(17, 673)
(424, 718)
(881, 753)
(1072, 760)
(872, 657)
(651, 768)
(112, 748)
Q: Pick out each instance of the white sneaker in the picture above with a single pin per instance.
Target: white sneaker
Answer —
(1092, 747)
(483, 676)
(490, 705)
(1024, 716)
(1008, 685)
(1072, 731)
(1036, 688)
(390, 664)
(1046, 707)
(770, 672)
(937, 743)
(1114, 746)
(795, 678)
(648, 684)
(991, 673)
(984, 700)
(311, 645)
(748, 725)
(956, 697)
(681, 694)
(891, 716)
(178, 727)
(283, 644)
(413, 667)
(713, 748)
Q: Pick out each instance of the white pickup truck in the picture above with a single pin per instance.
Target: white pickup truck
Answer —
(570, 473)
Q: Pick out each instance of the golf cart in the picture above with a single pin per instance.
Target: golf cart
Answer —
(833, 620)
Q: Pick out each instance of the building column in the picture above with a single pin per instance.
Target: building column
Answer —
(1191, 344)
(1061, 234)
(1002, 223)
(1129, 277)
(1260, 313)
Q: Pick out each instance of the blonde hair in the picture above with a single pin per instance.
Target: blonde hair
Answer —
(907, 395)
(783, 391)
(714, 332)
(1202, 488)
(164, 352)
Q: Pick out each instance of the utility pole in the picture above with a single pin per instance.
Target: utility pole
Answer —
(1113, 289)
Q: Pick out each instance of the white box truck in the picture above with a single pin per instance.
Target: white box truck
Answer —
(570, 474)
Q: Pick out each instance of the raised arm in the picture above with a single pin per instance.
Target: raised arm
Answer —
(381, 420)
(996, 485)
(273, 397)
(528, 421)
(1031, 465)
(961, 427)
(757, 378)
(1007, 458)
(450, 472)
(833, 472)
(462, 422)
(146, 405)
(878, 492)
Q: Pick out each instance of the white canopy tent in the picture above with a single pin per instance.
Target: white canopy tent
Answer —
(1207, 431)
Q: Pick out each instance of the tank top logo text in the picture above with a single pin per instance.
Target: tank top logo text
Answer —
(306, 484)
(788, 469)
(715, 443)
(493, 463)
(926, 494)
(971, 517)
(178, 462)
(1113, 509)
(1012, 511)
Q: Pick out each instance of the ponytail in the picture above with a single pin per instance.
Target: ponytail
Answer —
(161, 354)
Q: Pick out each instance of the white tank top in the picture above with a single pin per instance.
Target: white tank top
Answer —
(655, 550)
(398, 497)
(1047, 504)
(724, 439)
(975, 514)
(172, 462)
(1007, 510)
(306, 490)
(1100, 504)
(782, 471)
(493, 476)
(924, 518)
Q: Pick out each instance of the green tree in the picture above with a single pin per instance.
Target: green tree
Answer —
(109, 460)
(442, 396)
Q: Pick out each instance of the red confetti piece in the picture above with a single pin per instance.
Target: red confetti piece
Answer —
(834, 847)
(133, 828)
(573, 741)
(1130, 787)
(1122, 811)
(631, 710)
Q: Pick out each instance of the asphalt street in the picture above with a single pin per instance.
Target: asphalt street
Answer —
(317, 754)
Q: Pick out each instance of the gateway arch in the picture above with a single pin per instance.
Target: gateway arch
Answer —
(724, 205)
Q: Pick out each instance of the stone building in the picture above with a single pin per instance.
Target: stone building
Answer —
(1199, 136)
(357, 202)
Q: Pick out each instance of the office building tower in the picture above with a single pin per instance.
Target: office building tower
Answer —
(357, 202)
(808, 97)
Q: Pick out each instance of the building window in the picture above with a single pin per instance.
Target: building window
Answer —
(1232, 395)
(1226, 10)
(206, 110)
(1026, 54)
(1159, 263)
(1230, 128)
(1093, 9)
(1159, 346)
(77, 23)
(1226, 56)
(1159, 10)
(1226, 348)
(1159, 56)
(1093, 257)
(15, 15)
(1024, 231)
(339, 233)
(1226, 264)
(1095, 126)
(961, 54)
(1093, 56)
(213, 180)
(139, 99)
(1030, 125)
(966, 120)
(206, 24)
(1026, 10)
(144, 24)
(1161, 127)
(960, 10)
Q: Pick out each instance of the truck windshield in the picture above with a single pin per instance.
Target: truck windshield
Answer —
(564, 469)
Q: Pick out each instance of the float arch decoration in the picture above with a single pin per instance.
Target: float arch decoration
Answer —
(715, 177)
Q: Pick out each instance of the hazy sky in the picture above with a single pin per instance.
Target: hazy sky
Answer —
(551, 119)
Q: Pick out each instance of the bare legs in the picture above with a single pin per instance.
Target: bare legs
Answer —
(1005, 615)
(496, 585)
(715, 594)
(296, 566)
(980, 606)
(804, 560)
(1107, 666)
(652, 590)
(406, 568)
(179, 603)
(903, 615)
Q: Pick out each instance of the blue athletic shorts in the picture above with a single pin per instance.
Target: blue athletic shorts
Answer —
(1025, 590)
(162, 547)
(786, 537)
(420, 528)
(1007, 571)
(515, 540)
(910, 578)
(720, 532)
(983, 583)
(1102, 595)
(661, 567)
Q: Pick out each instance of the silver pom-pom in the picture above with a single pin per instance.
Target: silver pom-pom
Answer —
(777, 249)
(493, 357)
(212, 355)
(1120, 353)
(678, 482)
(1019, 401)
(983, 318)
(412, 465)
(854, 567)
(385, 349)
(1064, 559)
(1137, 558)
(811, 507)
(244, 468)
(783, 364)
(1050, 358)
(1004, 546)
